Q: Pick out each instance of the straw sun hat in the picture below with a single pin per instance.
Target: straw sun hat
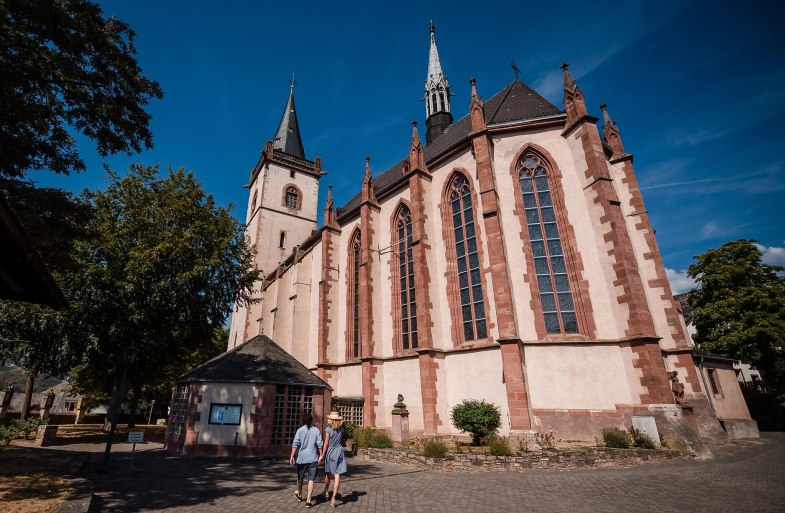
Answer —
(334, 415)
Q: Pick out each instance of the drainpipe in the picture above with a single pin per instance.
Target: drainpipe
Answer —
(706, 388)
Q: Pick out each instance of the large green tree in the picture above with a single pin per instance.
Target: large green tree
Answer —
(739, 308)
(32, 335)
(67, 68)
(162, 271)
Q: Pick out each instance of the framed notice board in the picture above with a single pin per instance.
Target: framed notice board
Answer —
(225, 414)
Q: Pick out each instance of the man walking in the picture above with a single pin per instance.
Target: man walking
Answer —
(306, 445)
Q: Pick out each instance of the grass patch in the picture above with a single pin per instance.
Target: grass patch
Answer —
(32, 479)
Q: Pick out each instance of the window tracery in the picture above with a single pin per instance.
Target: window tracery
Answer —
(467, 260)
(550, 266)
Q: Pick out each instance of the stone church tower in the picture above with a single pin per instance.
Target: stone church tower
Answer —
(437, 94)
(283, 194)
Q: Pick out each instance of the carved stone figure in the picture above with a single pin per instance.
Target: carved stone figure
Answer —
(676, 387)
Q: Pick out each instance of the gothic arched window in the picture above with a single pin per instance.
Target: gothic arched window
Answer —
(292, 198)
(467, 259)
(405, 285)
(549, 264)
(354, 296)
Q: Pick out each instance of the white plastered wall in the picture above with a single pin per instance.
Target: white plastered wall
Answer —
(402, 377)
(224, 393)
(473, 375)
(578, 377)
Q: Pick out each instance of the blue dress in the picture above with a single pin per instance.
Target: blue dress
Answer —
(334, 462)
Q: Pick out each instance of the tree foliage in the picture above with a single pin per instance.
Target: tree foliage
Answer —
(159, 267)
(739, 307)
(479, 418)
(162, 273)
(66, 66)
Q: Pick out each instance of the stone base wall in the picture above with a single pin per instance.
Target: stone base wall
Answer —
(741, 428)
(547, 459)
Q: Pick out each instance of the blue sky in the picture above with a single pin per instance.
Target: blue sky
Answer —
(697, 89)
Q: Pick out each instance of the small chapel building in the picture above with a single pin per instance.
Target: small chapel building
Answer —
(509, 257)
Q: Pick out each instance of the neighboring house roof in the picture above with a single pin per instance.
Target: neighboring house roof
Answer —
(259, 360)
(13, 374)
(516, 102)
(23, 276)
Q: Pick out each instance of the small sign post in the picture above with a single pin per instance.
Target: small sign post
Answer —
(134, 437)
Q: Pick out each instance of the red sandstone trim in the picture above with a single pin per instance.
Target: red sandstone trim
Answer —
(429, 366)
(515, 384)
(494, 232)
(578, 285)
(326, 286)
(370, 392)
(673, 311)
(420, 252)
(622, 253)
(654, 377)
(451, 274)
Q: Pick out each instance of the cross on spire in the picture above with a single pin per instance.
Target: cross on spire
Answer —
(515, 69)
(292, 82)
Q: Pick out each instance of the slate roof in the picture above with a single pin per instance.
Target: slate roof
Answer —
(516, 102)
(287, 137)
(259, 360)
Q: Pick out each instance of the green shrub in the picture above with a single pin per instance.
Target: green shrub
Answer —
(478, 418)
(349, 429)
(381, 441)
(362, 436)
(27, 426)
(499, 447)
(8, 434)
(616, 438)
(524, 444)
(434, 449)
(641, 439)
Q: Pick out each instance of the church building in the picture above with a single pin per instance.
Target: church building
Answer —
(508, 257)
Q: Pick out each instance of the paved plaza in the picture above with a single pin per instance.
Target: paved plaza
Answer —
(748, 477)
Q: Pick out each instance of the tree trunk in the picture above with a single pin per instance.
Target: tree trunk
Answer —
(133, 406)
(28, 395)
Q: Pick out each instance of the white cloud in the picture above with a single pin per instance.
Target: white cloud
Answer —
(709, 229)
(679, 281)
(772, 255)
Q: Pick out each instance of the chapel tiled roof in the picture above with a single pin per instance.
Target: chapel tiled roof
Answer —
(516, 102)
(259, 360)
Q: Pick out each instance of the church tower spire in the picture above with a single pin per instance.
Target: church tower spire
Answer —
(287, 138)
(437, 94)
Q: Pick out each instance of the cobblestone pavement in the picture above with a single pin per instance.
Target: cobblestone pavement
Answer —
(743, 478)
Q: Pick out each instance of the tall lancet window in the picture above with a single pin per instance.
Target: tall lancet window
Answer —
(468, 260)
(552, 280)
(354, 296)
(403, 234)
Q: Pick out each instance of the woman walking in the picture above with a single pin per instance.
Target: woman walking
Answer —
(332, 454)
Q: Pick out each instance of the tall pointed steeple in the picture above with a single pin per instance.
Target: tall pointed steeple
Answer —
(287, 138)
(437, 94)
